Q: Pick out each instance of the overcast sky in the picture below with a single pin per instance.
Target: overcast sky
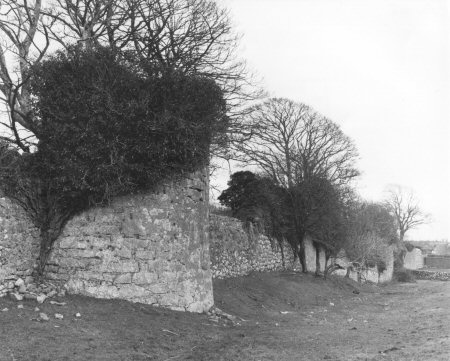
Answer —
(380, 69)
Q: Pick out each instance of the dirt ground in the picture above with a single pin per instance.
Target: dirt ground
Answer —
(280, 316)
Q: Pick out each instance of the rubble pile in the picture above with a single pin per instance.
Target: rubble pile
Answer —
(20, 289)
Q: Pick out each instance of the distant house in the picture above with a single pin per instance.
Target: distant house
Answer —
(432, 254)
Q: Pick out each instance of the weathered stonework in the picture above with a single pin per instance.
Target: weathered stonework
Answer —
(148, 248)
(237, 252)
(414, 259)
(19, 245)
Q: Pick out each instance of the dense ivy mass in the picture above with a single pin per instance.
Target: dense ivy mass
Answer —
(108, 126)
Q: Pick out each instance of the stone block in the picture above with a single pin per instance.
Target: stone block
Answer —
(136, 243)
(72, 242)
(120, 267)
(158, 288)
(145, 254)
(131, 291)
(168, 276)
(83, 253)
(89, 275)
(99, 242)
(68, 263)
(133, 228)
(123, 278)
(123, 253)
(141, 278)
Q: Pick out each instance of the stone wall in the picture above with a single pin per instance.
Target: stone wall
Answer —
(149, 248)
(414, 259)
(437, 261)
(19, 245)
(237, 251)
(434, 275)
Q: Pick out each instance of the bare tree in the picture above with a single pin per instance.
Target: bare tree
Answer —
(24, 42)
(87, 22)
(194, 37)
(296, 147)
(190, 36)
(291, 142)
(404, 206)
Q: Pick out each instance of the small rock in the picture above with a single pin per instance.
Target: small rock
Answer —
(29, 296)
(36, 309)
(78, 314)
(5, 309)
(19, 306)
(51, 294)
(32, 287)
(331, 304)
(22, 288)
(28, 280)
(16, 296)
(59, 316)
(214, 318)
(19, 282)
(41, 298)
(44, 317)
(58, 303)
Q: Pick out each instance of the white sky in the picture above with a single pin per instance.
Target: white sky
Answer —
(380, 69)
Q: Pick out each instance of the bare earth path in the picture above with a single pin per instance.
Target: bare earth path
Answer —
(281, 316)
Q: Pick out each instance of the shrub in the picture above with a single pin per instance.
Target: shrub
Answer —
(404, 275)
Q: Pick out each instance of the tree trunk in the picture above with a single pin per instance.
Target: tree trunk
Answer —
(302, 255)
(347, 275)
(317, 247)
(283, 262)
(47, 238)
(400, 252)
